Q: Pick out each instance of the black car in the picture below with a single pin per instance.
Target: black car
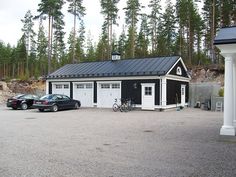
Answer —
(55, 102)
(22, 101)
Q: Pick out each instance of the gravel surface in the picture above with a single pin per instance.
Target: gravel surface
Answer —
(102, 143)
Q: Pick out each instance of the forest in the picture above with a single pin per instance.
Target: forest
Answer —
(179, 28)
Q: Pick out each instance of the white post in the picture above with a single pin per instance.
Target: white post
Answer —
(47, 87)
(234, 92)
(163, 93)
(228, 128)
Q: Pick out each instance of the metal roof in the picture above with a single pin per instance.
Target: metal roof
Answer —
(226, 35)
(130, 67)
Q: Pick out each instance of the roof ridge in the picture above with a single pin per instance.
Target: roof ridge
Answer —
(125, 59)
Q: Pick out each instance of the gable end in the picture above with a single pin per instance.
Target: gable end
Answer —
(179, 69)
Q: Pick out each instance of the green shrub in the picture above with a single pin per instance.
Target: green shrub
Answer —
(221, 92)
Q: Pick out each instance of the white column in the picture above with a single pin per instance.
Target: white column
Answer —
(234, 92)
(47, 87)
(228, 128)
(163, 93)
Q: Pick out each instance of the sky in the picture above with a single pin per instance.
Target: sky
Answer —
(12, 11)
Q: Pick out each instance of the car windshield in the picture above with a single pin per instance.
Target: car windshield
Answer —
(46, 97)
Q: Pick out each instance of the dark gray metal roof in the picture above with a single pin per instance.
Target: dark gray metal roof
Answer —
(132, 67)
(226, 35)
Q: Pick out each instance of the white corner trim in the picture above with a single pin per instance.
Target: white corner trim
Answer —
(47, 87)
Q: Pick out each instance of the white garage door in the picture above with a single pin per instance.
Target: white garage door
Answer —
(84, 93)
(61, 88)
(107, 93)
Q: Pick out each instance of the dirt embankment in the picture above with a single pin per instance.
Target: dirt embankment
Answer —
(9, 89)
(209, 74)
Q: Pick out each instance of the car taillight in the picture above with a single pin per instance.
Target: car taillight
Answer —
(45, 102)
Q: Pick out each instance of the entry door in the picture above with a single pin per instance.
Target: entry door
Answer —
(148, 96)
(183, 96)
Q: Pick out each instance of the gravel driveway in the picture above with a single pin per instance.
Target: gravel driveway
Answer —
(102, 143)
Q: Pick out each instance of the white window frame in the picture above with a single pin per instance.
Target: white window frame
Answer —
(58, 86)
(105, 86)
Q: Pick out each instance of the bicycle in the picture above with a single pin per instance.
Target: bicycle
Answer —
(131, 104)
(122, 106)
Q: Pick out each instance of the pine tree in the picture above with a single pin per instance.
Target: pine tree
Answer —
(52, 8)
(110, 12)
(41, 68)
(142, 40)
(169, 27)
(211, 16)
(78, 10)
(90, 52)
(28, 34)
(132, 12)
(154, 22)
(187, 13)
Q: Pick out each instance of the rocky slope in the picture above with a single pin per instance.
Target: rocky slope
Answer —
(9, 89)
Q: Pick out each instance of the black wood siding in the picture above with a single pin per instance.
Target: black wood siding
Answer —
(174, 91)
(71, 89)
(95, 92)
(133, 89)
(50, 87)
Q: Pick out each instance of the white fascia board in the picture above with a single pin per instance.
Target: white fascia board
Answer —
(177, 78)
(102, 79)
(61, 82)
(82, 82)
(181, 60)
(108, 82)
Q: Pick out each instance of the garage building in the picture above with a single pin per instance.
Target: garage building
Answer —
(152, 83)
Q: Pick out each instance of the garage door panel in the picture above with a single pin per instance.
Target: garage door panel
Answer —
(107, 93)
(84, 93)
(61, 88)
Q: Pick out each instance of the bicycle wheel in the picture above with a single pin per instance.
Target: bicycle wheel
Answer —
(115, 107)
(124, 108)
(132, 106)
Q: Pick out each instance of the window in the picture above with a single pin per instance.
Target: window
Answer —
(28, 97)
(179, 71)
(148, 91)
(105, 86)
(66, 86)
(65, 97)
(79, 86)
(89, 86)
(182, 91)
(115, 86)
(58, 86)
(59, 97)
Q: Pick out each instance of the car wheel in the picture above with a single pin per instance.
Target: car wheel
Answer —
(54, 108)
(41, 110)
(24, 106)
(76, 106)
